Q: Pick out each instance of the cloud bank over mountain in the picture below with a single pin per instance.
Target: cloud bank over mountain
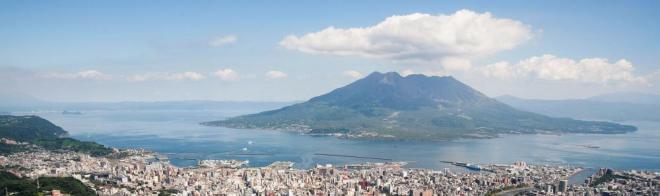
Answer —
(550, 67)
(419, 37)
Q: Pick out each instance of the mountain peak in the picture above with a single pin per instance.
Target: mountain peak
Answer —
(388, 105)
(393, 76)
(381, 74)
(384, 78)
(391, 90)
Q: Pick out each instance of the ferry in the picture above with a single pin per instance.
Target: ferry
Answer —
(471, 166)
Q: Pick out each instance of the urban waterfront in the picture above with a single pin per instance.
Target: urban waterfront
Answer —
(137, 172)
(177, 134)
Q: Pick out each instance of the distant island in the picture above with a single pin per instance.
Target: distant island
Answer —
(67, 112)
(417, 107)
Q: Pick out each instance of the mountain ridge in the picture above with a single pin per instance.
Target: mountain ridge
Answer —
(588, 108)
(394, 91)
(388, 105)
(627, 97)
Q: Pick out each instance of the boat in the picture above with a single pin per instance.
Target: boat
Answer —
(473, 166)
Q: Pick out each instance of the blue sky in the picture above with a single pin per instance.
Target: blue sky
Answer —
(173, 50)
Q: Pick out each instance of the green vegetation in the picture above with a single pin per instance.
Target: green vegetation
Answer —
(167, 192)
(8, 148)
(41, 132)
(70, 144)
(28, 128)
(14, 184)
(507, 188)
(65, 184)
(413, 107)
(24, 186)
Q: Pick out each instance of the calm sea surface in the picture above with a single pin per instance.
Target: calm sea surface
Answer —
(177, 134)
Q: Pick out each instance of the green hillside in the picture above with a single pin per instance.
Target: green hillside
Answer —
(41, 132)
(24, 186)
(413, 107)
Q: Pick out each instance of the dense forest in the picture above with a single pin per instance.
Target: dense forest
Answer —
(15, 185)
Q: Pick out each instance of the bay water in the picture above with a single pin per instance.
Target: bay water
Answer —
(178, 135)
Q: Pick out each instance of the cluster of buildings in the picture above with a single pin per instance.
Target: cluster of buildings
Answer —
(11, 142)
(141, 173)
(610, 182)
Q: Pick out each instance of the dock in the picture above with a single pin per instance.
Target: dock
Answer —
(470, 166)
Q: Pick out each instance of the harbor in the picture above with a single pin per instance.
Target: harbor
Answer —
(470, 166)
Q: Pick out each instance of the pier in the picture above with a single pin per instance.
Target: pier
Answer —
(470, 166)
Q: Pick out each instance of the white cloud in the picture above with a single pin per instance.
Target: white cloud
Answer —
(654, 75)
(89, 74)
(456, 64)
(549, 67)
(418, 37)
(353, 74)
(501, 70)
(226, 74)
(139, 77)
(188, 75)
(653, 78)
(86, 74)
(221, 41)
(407, 72)
(274, 74)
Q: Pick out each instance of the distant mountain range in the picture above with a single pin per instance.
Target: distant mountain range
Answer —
(388, 105)
(612, 107)
(629, 97)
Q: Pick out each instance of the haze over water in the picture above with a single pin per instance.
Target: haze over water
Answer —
(178, 135)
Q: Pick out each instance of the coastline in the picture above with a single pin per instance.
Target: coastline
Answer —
(143, 172)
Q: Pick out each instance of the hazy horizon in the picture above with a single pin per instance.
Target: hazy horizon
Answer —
(28, 98)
